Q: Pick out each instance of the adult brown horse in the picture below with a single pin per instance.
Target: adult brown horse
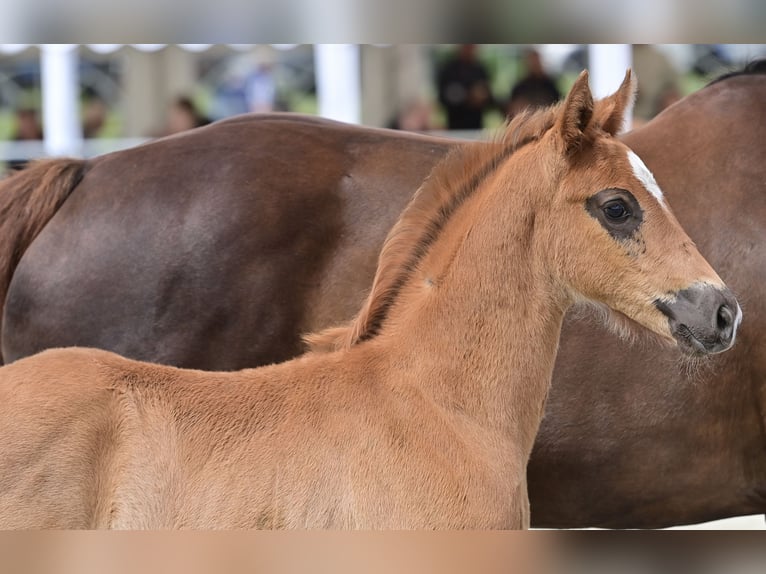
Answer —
(426, 415)
(250, 231)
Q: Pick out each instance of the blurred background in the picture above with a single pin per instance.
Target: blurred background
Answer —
(87, 99)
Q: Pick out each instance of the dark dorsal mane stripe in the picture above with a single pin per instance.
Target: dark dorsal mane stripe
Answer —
(752, 68)
(433, 229)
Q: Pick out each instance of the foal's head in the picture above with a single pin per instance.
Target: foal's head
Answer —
(586, 203)
(614, 238)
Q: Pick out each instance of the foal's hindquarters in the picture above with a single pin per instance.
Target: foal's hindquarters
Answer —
(93, 440)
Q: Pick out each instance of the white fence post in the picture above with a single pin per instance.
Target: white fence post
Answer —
(60, 94)
(607, 64)
(338, 81)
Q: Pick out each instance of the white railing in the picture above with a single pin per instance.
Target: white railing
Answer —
(34, 149)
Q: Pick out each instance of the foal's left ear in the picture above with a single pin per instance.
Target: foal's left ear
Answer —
(609, 112)
(575, 114)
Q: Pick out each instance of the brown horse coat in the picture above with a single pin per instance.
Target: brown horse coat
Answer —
(214, 249)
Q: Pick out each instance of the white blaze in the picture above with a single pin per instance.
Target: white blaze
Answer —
(645, 176)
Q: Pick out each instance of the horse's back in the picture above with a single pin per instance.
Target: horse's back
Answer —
(206, 233)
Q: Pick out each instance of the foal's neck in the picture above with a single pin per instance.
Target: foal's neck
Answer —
(479, 321)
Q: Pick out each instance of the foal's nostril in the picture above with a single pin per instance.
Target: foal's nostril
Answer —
(725, 318)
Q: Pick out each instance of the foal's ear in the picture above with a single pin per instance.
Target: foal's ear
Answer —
(609, 113)
(575, 114)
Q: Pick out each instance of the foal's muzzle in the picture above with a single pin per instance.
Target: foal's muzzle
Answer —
(703, 319)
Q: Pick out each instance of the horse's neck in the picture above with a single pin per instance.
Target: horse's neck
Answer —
(478, 324)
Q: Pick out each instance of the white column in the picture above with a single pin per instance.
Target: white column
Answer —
(180, 71)
(338, 81)
(607, 64)
(415, 77)
(60, 94)
(379, 103)
(143, 97)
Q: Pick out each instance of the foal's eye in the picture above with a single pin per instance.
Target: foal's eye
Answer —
(616, 211)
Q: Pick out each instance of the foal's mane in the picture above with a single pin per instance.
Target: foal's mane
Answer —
(450, 183)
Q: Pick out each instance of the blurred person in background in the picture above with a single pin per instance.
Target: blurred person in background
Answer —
(535, 90)
(658, 82)
(416, 116)
(28, 128)
(28, 125)
(248, 85)
(261, 89)
(94, 112)
(183, 115)
(464, 91)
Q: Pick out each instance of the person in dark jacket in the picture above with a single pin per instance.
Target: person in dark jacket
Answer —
(535, 90)
(463, 84)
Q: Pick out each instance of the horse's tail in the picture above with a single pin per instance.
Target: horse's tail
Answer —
(28, 200)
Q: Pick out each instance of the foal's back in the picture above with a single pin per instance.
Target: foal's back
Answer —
(304, 444)
(137, 445)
